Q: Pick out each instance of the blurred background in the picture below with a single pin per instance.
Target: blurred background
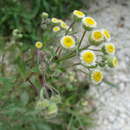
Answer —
(25, 14)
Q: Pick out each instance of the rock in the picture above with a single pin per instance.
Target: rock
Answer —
(113, 104)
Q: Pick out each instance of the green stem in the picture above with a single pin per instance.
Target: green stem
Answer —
(38, 57)
(74, 65)
(95, 49)
(70, 27)
(60, 51)
(82, 71)
(3, 65)
(72, 54)
(82, 39)
(33, 87)
(57, 49)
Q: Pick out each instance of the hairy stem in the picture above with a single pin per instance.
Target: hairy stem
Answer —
(34, 87)
(82, 39)
(72, 54)
(70, 27)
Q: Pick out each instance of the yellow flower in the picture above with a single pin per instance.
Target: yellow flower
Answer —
(88, 57)
(56, 29)
(78, 14)
(97, 76)
(110, 48)
(38, 45)
(96, 37)
(106, 34)
(61, 21)
(55, 20)
(68, 42)
(64, 25)
(89, 23)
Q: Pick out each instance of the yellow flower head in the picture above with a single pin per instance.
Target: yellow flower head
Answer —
(110, 48)
(106, 34)
(89, 23)
(55, 20)
(64, 25)
(61, 21)
(88, 57)
(38, 45)
(68, 42)
(78, 14)
(56, 29)
(97, 76)
(115, 61)
(97, 36)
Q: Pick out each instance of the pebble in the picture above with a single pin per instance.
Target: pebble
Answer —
(113, 105)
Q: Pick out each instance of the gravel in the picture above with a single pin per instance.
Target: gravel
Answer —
(113, 103)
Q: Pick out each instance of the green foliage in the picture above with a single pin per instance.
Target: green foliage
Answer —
(34, 89)
(24, 15)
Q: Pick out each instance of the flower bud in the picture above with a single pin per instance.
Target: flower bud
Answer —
(112, 61)
(42, 104)
(44, 15)
(17, 33)
(84, 103)
(52, 109)
(109, 48)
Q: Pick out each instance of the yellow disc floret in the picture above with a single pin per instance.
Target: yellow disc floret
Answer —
(78, 14)
(97, 35)
(89, 23)
(68, 42)
(56, 29)
(64, 25)
(38, 45)
(110, 48)
(106, 34)
(88, 57)
(115, 61)
(55, 20)
(97, 76)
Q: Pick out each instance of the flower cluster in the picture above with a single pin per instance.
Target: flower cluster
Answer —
(93, 59)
